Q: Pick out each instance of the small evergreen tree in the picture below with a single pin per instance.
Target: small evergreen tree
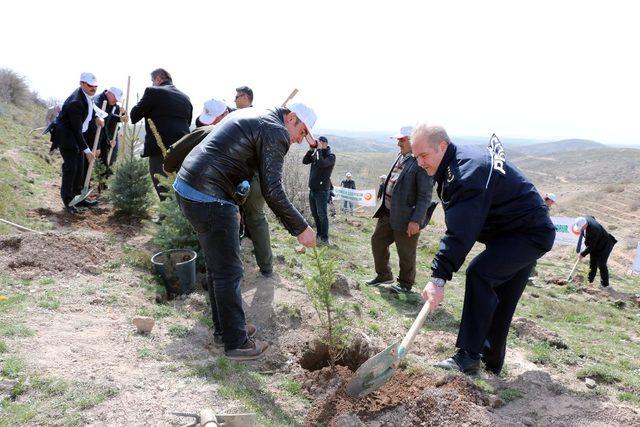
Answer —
(332, 314)
(130, 185)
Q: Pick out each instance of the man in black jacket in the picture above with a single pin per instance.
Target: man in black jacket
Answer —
(488, 200)
(171, 111)
(322, 161)
(211, 183)
(348, 182)
(598, 245)
(68, 135)
(404, 209)
(108, 136)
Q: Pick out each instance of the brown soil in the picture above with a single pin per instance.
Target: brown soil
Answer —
(528, 329)
(99, 219)
(409, 398)
(31, 255)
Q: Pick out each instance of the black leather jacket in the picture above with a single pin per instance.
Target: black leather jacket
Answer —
(245, 142)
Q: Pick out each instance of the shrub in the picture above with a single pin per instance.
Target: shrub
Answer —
(13, 88)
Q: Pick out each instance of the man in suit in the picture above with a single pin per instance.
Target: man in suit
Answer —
(348, 182)
(599, 244)
(171, 111)
(404, 209)
(68, 135)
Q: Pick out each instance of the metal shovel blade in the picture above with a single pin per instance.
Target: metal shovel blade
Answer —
(80, 197)
(375, 372)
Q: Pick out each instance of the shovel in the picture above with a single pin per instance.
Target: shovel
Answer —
(85, 190)
(376, 371)
(572, 270)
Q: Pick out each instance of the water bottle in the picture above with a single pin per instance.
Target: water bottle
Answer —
(242, 192)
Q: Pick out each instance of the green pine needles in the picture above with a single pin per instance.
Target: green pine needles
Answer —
(331, 313)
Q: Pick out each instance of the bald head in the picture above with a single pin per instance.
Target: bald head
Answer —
(429, 143)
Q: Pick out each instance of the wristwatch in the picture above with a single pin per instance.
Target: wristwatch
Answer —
(438, 282)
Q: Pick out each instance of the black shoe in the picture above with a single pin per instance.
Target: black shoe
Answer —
(71, 209)
(217, 338)
(87, 203)
(251, 350)
(378, 281)
(462, 361)
(400, 288)
(266, 273)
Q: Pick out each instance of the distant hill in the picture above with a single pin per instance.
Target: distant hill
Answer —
(561, 146)
(365, 144)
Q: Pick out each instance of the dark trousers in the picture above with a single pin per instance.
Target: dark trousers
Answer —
(598, 260)
(257, 226)
(383, 236)
(72, 174)
(318, 201)
(217, 228)
(495, 281)
(347, 206)
(155, 167)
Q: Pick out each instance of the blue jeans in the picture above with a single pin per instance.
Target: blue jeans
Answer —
(217, 227)
(347, 206)
(318, 200)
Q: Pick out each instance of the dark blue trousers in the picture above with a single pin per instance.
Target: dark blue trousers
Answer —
(495, 281)
(318, 201)
(217, 228)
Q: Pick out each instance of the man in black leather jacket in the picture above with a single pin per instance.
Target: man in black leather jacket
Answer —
(322, 161)
(207, 190)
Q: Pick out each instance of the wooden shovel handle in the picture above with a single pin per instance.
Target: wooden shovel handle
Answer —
(95, 146)
(413, 331)
(290, 97)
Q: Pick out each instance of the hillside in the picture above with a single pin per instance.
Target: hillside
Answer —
(547, 148)
(69, 354)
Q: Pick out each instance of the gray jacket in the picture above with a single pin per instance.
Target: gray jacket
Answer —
(411, 198)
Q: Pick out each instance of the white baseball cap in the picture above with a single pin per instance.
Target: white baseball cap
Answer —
(404, 131)
(89, 78)
(348, 174)
(213, 108)
(307, 116)
(551, 197)
(578, 224)
(116, 92)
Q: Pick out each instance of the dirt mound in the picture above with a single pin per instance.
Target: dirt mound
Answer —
(101, 218)
(34, 254)
(409, 398)
(528, 329)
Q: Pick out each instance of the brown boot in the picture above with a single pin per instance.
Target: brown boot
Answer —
(251, 331)
(251, 350)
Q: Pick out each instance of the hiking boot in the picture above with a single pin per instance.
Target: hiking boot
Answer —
(71, 209)
(217, 338)
(463, 361)
(401, 288)
(251, 350)
(266, 273)
(378, 281)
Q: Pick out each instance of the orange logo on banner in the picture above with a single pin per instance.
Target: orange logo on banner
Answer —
(367, 196)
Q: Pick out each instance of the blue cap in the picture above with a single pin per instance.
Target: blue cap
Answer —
(323, 139)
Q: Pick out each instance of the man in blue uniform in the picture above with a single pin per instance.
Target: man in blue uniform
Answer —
(487, 200)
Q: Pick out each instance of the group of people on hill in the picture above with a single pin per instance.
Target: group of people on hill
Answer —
(237, 164)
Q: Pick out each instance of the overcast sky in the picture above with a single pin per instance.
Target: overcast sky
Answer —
(540, 69)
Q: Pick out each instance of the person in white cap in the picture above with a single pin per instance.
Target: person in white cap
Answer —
(214, 110)
(348, 182)
(214, 180)
(550, 199)
(68, 135)
(113, 116)
(404, 209)
(598, 244)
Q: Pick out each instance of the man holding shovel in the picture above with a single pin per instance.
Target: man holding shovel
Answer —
(599, 244)
(213, 182)
(68, 135)
(487, 200)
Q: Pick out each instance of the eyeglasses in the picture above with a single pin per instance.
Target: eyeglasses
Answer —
(91, 86)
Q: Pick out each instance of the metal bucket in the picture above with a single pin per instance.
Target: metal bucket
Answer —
(177, 268)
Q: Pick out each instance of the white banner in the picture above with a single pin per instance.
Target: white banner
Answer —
(564, 235)
(360, 197)
(636, 262)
